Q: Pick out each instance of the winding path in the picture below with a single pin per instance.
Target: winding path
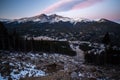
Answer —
(80, 55)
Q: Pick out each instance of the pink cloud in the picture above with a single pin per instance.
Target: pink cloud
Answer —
(85, 4)
(66, 5)
(55, 6)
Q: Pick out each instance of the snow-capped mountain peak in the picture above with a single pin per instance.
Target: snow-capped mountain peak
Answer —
(103, 20)
(6, 20)
(41, 15)
(42, 18)
(56, 18)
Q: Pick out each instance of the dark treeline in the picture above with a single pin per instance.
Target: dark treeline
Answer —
(13, 42)
(108, 56)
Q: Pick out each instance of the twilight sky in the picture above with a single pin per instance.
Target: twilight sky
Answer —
(91, 9)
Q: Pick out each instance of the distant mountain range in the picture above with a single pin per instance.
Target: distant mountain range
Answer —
(59, 27)
(51, 19)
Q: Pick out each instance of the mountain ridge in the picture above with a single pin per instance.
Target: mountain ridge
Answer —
(42, 18)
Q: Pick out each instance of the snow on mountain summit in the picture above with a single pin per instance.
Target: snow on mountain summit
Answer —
(42, 18)
(6, 20)
(104, 20)
(56, 18)
(45, 18)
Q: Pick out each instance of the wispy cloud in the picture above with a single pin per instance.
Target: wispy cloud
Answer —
(66, 5)
(61, 5)
(86, 3)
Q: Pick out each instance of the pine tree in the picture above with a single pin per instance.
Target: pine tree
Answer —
(3, 36)
(32, 43)
(106, 41)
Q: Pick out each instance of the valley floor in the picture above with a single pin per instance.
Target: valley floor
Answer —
(46, 66)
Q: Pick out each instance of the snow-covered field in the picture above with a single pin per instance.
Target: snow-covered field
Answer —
(18, 65)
